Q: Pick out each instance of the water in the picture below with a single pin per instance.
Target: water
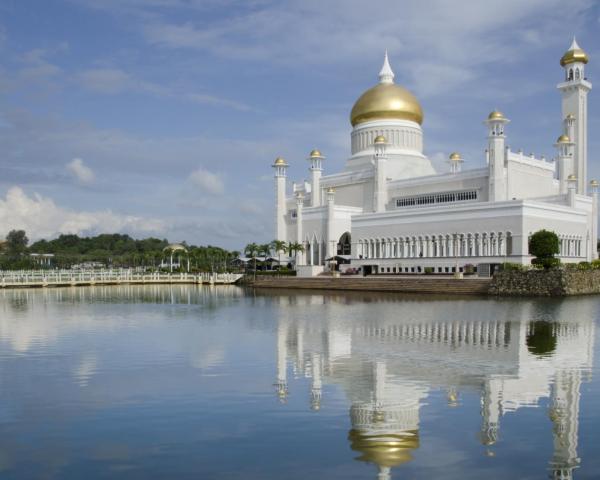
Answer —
(188, 382)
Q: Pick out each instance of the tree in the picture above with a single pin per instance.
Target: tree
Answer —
(16, 242)
(294, 248)
(252, 251)
(543, 245)
(279, 246)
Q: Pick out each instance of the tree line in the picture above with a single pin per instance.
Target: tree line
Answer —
(111, 250)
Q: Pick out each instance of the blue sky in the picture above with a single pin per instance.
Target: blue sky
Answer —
(162, 117)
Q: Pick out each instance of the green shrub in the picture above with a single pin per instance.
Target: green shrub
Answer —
(584, 266)
(546, 263)
(544, 244)
(512, 267)
(571, 266)
(469, 269)
(596, 264)
(428, 270)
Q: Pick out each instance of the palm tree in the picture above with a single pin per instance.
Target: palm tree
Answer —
(265, 250)
(279, 246)
(252, 251)
(294, 248)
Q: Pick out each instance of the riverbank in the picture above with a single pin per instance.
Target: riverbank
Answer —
(546, 283)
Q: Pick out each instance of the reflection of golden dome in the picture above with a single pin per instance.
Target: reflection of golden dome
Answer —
(386, 101)
(385, 450)
(315, 153)
(379, 139)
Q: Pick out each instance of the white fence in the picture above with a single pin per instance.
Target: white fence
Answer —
(48, 278)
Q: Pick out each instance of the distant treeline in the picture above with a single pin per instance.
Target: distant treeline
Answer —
(111, 250)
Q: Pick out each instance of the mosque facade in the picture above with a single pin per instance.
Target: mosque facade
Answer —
(388, 211)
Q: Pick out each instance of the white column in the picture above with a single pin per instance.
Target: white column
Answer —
(280, 167)
(331, 240)
(299, 239)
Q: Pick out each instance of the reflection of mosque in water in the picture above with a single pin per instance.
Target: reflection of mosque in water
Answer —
(387, 368)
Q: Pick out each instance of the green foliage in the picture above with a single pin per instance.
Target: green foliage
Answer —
(469, 269)
(16, 242)
(512, 267)
(584, 266)
(546, 263)
(428, 270)
(596, 264)
(544, 244)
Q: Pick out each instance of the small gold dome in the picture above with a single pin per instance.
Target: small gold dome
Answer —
(496, 115)
(386, 101)
(455, 156)
(570, 116)
(572, 178)
(331, 190)
(379, 139)
(594, 183)
(573, 55)
(280, 162)
(563, 139)
(315, 153)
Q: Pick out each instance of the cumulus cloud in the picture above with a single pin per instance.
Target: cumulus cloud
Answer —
(40, 217)
(106, 80)
(81, 172)
(208, 182)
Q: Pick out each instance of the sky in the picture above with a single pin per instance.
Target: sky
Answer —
(163, 117)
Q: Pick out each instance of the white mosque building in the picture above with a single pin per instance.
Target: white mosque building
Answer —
(390, 212)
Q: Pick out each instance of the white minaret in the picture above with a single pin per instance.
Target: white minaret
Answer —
(455, 162)
(331, 240)
(316, 168)
(497, 156)
(280, 166)
(379, 162)
(564, 161)
(594, 233)
(574, 92)
(299, 206)
(571, 190)
(282, 387)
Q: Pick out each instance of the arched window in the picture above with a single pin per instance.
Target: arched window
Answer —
(570, 74)
(577, 74)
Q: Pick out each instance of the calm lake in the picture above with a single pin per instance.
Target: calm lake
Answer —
(189, 382)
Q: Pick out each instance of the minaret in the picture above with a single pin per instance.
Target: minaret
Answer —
(594, 233)
(379, 161)
(564, 161)
(316, 167)
(299, 206)
(280, 167)
(571, 189)
(455, 162)
(574, 92)
(497, 156)
(331, 240)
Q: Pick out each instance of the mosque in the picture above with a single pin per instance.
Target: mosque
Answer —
(389, 211)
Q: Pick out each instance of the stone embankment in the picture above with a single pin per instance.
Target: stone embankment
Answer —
(415, 284)
(549, 283)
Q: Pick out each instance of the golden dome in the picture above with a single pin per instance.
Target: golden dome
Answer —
(174, 247)
(455, 156)
(496, 115)
(331, 190)
(386, 101)
(280, 162)
(570, 116)
(563, 139)
(385, 450)
(594, 183)
(379, 139)
(316, 153)
(573, 55)
(572, 178)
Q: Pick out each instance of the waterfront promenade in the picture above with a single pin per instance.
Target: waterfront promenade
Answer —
(64, 278)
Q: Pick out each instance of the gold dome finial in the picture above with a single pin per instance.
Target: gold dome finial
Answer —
(315, 153)
(455, 157)
(496, 115)
(379, 139)
(574, 54)
(331, 190)
(594, 183)
(563, 139)
(384, 449)
(572, 178)
(280, 162)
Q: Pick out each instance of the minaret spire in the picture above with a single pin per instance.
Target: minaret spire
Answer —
(386, 75)
(574, 45)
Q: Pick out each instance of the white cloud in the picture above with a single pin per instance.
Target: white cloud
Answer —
(40, 217)
(208, 182)
(106, 80)
(81, 172)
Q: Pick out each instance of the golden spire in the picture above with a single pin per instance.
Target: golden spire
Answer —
(574, 54)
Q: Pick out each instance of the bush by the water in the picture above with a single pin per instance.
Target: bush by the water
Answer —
(546, 263)
(513, 267)
(428, 270)
(543, 245)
